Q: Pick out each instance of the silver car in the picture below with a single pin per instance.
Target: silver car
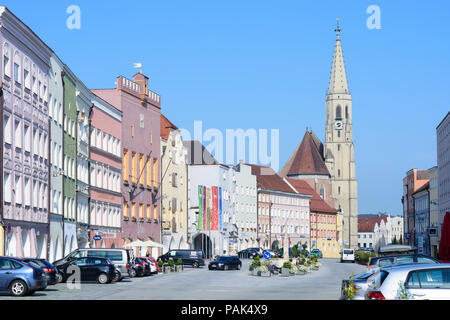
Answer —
(411, 281)
(360, 283)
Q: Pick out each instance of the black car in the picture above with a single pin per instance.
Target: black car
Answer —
(225, 263)
(91, 269)
(192, 258)
(47, 267)
(248, 253)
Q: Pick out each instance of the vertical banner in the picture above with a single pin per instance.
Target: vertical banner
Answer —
(220, 209)
(204, 209)
(215, 209)
(200, 208)
(208, 209)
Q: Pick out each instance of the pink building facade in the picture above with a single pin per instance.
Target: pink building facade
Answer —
(105, 175)
(140, 144)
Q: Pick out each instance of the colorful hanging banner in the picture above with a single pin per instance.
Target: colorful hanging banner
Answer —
(200, 208)
(215, 209)
(220, 209)
(204, 209)
(208, 209)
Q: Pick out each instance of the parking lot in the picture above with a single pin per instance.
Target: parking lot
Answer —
(200, 284)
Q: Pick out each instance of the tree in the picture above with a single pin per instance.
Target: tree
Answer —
(394, 240)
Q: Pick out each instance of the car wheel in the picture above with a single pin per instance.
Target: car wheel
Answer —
(18, 288)
(117, 277)
(239, 267)
(59, 278)
(225, 267)
(102, 278)
(195, 265)
(132, 273)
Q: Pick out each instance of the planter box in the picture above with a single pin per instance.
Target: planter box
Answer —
(179, 268)
(264, 274)
(254, 272)
(166, 269)
(300, 273)
(285, 272)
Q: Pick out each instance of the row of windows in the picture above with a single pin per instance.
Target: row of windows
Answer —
(105, 214)
(130, 211)
(325, 219)
(245, 207)
(249, 191)
(55, 110)
(69, 208)
(364, 236)
(23, 75)
(69, 167)
(105, 142)
(283, 200)
(105, 177)
(146, 170)
(323, 233)
(27, 191)
(23, 138)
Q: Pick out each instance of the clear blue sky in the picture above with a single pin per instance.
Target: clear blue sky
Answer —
(266, 64)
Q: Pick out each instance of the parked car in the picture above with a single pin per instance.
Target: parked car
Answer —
(360, 285)
(20, 278)
(348, 255)
(420, 281)
(316, 252)
(121, 258)
(156, 263)
(49, 269)
(193, 258)
(225, 263)
(146, 265)
(139, 268)
(248, 253)
(153, 268)
(377, 262)
(91, 269)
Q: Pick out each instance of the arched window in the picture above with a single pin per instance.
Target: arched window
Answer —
(322, 192)
(338, 112)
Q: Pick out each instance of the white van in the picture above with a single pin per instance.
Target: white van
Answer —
(348, 255)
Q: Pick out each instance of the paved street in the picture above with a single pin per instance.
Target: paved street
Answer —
(202, 283)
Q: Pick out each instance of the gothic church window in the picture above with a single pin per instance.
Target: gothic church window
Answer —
(338, 112)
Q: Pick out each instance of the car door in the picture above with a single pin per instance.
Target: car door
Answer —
(435, 283)
(83, 265)
(6, 273)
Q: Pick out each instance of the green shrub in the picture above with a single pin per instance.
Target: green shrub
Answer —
(180, 261)
(287, 265)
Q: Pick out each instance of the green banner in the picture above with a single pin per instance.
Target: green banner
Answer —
(200, 208)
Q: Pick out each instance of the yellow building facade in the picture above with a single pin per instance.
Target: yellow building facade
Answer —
(173, 187)
(324, 234)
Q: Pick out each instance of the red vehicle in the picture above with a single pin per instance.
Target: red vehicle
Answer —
(153, 265)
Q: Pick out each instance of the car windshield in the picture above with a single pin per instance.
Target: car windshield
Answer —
(32, 263)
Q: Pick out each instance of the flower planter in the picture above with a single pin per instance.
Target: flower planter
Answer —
(264, 274)
(300, 272)
(166, 268)
(285, 272)
(178, 268)
(255, 272)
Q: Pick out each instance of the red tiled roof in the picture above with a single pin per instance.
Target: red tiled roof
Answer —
(367, 224)
(425, 186)
(307, 158)
(317, 203)
(165, 126)
(267, 178)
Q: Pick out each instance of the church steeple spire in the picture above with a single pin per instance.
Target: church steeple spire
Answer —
(338, 79)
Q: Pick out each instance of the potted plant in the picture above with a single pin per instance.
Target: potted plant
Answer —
(171, 264)
(263, 271)
(302, 269)
(179, 266)
(285, 269)
(293, 270)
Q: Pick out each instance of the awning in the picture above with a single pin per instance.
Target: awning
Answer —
(137, 243)
(444, 244)
(150, 243)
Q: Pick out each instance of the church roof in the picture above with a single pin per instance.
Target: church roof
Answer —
(307, 158)
(338, 78)
(318, 205)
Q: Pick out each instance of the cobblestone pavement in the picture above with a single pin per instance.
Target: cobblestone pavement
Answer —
(199, 284)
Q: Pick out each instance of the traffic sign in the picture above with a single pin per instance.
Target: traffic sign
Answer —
(97, 237)
(267, 255)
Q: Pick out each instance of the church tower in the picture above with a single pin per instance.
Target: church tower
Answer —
(339, 149)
